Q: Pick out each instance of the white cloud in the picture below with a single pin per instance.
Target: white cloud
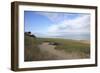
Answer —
(53, 16)
(76, 25)
(67, 25)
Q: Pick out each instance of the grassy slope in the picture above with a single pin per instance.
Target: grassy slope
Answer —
(71, 46)
(32, 52)
(31, 49)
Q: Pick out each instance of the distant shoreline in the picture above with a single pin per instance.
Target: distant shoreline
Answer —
(88, 40)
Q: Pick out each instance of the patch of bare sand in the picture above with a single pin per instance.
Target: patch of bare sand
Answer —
(60, 54)
(84, 41)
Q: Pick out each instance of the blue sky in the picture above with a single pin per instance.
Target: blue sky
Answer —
(57, 24)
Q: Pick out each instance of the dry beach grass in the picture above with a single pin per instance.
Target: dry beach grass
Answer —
(36, 49)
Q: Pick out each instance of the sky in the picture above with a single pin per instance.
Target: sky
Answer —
(58, 24)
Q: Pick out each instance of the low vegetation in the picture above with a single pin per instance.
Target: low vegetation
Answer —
(32, 51)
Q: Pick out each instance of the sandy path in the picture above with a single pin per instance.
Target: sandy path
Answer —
(59, 53)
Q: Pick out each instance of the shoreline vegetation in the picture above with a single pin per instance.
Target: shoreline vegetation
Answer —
(40, 49)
